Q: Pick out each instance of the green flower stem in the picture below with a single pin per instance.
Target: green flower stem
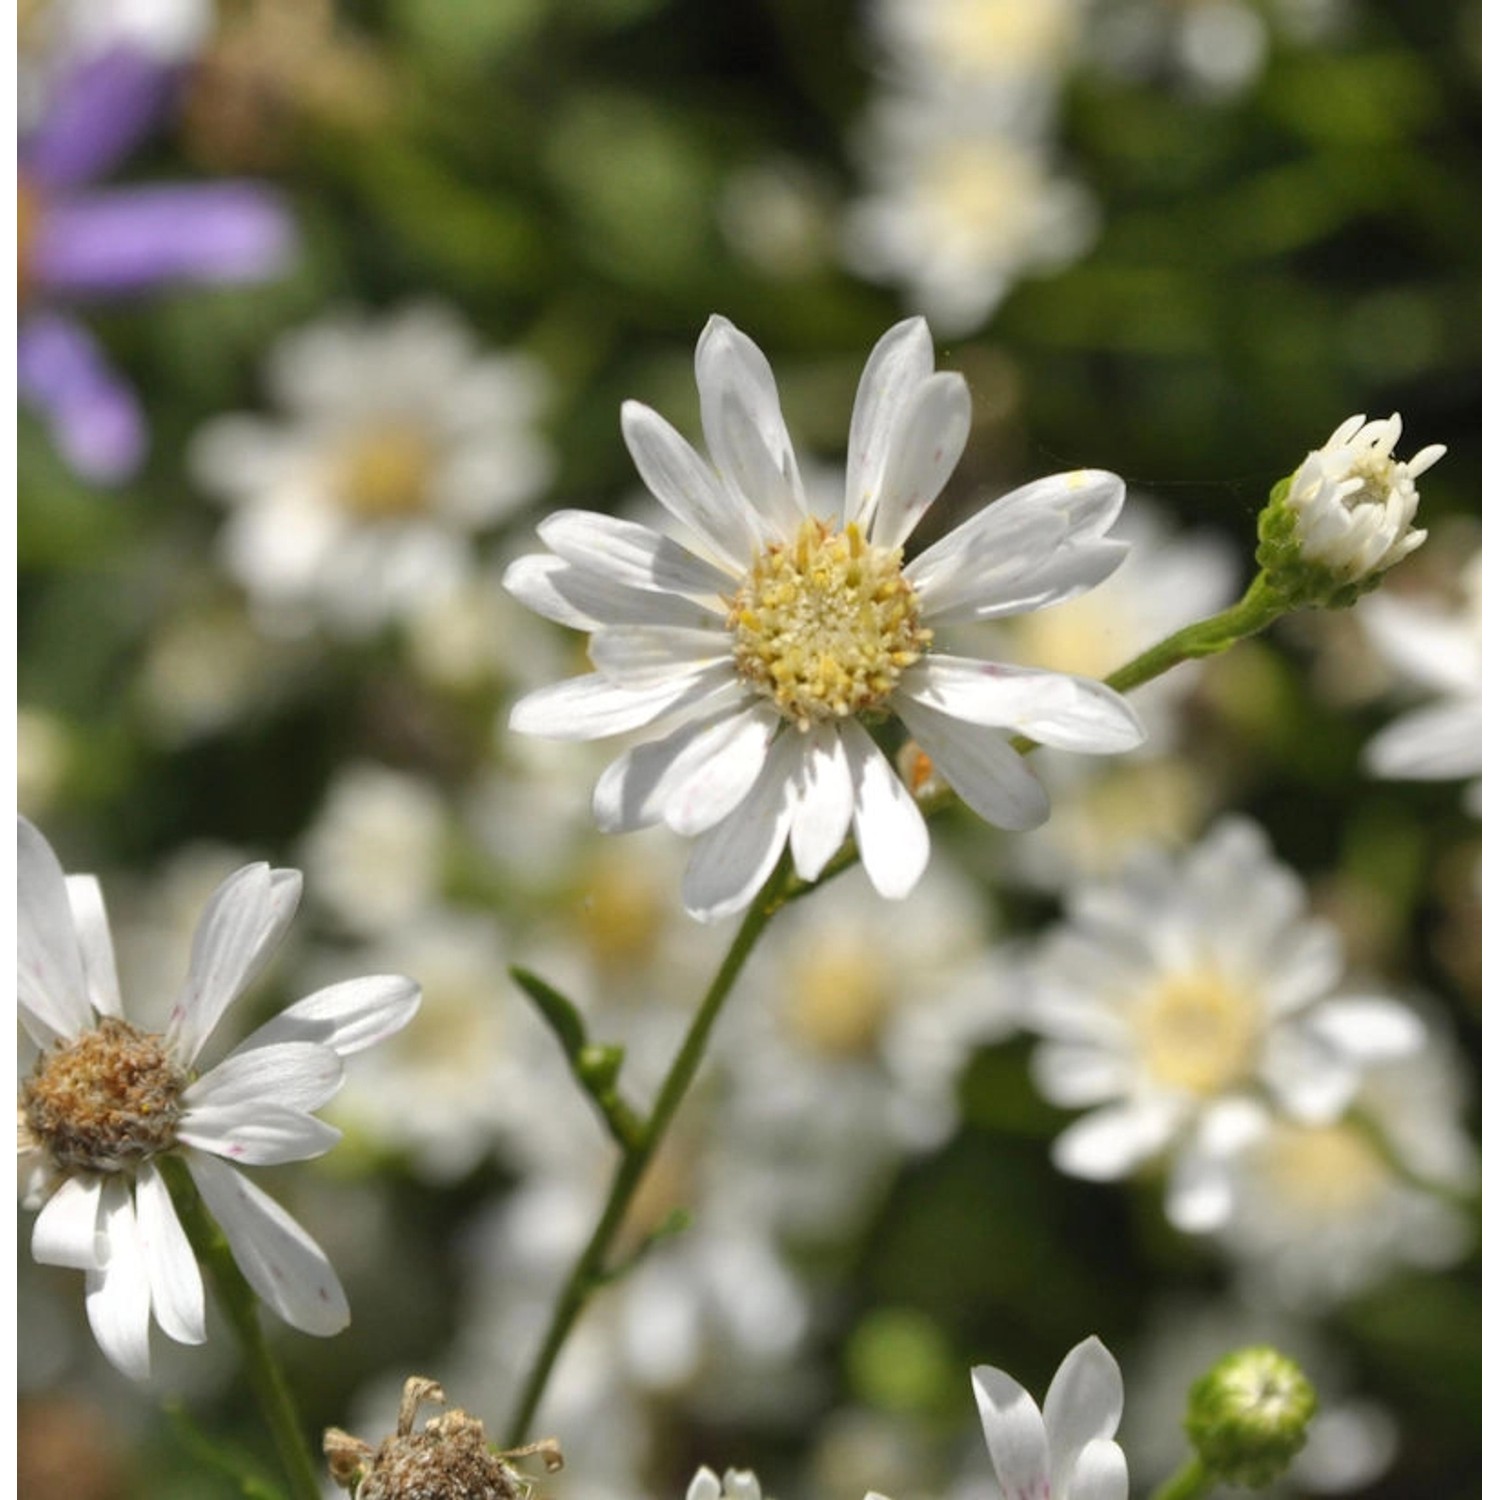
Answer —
(590, 1270)
(243, 1311)
(1190, 1482)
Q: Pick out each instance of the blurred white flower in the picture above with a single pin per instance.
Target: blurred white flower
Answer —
(1435, 647)
(1188, 1004)
(400, 440)
(1065, 1449)
(737, 1484)
(374, 855)
(1354, 502)
(764, 649)
(105, 1100)
(958, 207)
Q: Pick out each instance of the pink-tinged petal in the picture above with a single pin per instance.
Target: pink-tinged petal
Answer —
(1112, 1142)
(897, 366)
(68, 1231)
(118, 1295)
(890, 831)
(95, 945)
(263, 1136)
(1068, 713)
(927, 448)
(822, 802)
(52, 991)
(1083, 1403)
(1440, 743)
(280, 1260)
(298, 1075)
(1100, 1473)
(171, 1267)
(731, 862)
(241, 925)
(1369, 1029)
(742, 423)
(1014, 1434)
(346, 1017)
(583, 598)
(688, 489)
(981, 765)
(639, 655)
(592, 707)
(633, 555)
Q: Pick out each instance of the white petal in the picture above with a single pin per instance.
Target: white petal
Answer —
(1112, 1142)
(981, 765)
(706, 793)
(1053, 708)
(592, 707)
(926, 450)
(1100, 1473)
(531, 580)
(1440, 743)
(241, 925)
(822, 802)
(299, 1075)
(888, 827)
(288, 1271)
(260, 1136)
(897, 365)
(346, 1017)
(171, 1268)
(731, 862)
(742, 423)
(67, 1231)
(1200, 1193)
(633, 555)
(1082, 1404)
(1313, 1079)
(584, 598)
(95, 946)
(704, 1485)
(1370, 1030)
(1013, 1432)
(1077, 1077)
(118, 1297)
(52, 991)
(639, 655)
(688, 488)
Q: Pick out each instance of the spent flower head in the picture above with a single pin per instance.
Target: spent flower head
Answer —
(106, 1101)
(767, 642)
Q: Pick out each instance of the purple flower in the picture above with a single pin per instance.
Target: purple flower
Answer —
(80, 243)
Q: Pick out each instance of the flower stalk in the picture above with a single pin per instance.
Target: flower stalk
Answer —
(1190, 1482)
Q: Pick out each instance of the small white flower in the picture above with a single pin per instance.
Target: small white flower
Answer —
(105, 1100)
(1439, 649)
(1187, 1003)
(764, 645)
(401, 439)
(1354, 501)
(1065, 1450)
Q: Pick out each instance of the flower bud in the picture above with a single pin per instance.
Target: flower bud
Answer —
(1332, 529)
(1248, 1416)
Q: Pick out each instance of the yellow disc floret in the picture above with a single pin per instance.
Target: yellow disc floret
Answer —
(825, 624)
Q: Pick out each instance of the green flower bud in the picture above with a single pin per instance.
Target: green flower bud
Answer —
(1248, 1416)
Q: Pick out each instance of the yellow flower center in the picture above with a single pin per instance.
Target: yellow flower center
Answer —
(839, 998)
(981, 36)
(825, 624)
(982, 193)
(105, 1101)
(1325, 1172)
(386, 473)
(1197, 1032)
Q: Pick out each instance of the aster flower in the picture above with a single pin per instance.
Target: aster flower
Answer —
(83, 244)
(767, 642)
(1189, 1003)
(400, 439)
(1065, 1450)
(106, 1101)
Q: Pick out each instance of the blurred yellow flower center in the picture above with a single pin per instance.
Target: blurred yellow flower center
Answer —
(825, 624)
(386, 473)
(623, 913)
(105, 1101)
(1197, 1032)
(981, 192)
(839, 997)
(1081, 637)
(1326, 1172)
(980, 36)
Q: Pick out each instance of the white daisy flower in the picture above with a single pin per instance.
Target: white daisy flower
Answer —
(105, 1100)
(766, 645)
(1190, 1002)
(1065, 1449)
(1438, 649)
(401, 439)
(1354, 502)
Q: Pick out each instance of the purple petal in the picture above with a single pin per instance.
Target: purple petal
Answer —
(93, 416)
(101, 112)
(133, 239)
